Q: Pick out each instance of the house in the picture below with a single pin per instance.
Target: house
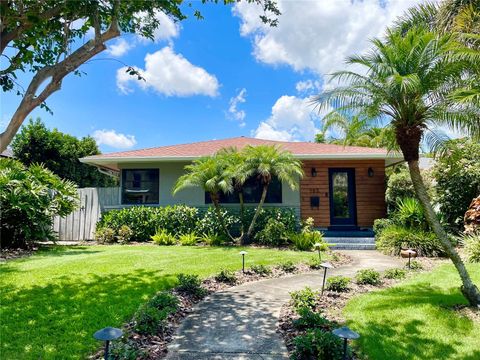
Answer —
(343, 187)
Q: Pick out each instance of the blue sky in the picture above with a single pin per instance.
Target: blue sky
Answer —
(224, 76)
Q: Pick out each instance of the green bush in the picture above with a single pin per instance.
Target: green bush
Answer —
(368, 277)
(304, 299)
(213, 239)
(286, 216)
(414, 265)
(380, 224)
(191, 285)
(288, 267)
(472, 247)
(226, 276)
(314, 263)
(304, 241)
(189, 239)
(273, 234)
(105, 236)
(318, 344)
(150, 320)
(125, 349)
(399, 186)
(261, 270)
(310, 320)
(124, 234)
(30, 198)
(163, 237)
(338, 283)
(395, 237)
(410, 214)
(395, 273)
(210, 224)
(163, 300)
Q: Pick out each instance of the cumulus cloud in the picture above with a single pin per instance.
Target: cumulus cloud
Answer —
(233, 111)
(119, 48)
(167, 30)
(114, 139)
(308, 86)
(170, 74)
(328, 32)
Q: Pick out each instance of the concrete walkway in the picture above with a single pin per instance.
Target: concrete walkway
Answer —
(240, 322)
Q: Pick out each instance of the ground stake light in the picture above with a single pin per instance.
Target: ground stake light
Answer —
(243, 253)
(346, 334)
(107, 334)
(325, 266)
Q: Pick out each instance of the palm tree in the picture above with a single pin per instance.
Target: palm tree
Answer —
(266, 162)
(407, 79)
(351, 127)
(210, 173)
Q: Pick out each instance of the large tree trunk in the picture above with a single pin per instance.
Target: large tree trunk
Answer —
(259, 207)
(469, 290)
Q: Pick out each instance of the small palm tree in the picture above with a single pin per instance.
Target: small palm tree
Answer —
(351, 127)
(407, 79)
(266, 162)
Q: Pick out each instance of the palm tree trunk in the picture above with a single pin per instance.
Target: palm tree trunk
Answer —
(242, 218)
(220, 218)
(469, 290)
(259, 207)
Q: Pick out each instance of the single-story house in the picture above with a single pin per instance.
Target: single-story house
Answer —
(343, 186)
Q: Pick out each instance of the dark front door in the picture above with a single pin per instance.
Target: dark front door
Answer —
(342, 197)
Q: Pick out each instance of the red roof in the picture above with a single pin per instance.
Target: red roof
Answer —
(210, 147)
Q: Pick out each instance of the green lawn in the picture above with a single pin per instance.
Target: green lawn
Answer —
(410, 320)
(52, 302)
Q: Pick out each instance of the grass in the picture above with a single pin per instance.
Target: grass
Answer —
(413, 321)
(53, 301)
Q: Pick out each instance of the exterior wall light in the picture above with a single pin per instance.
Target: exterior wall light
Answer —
(314, 172)
(370, 172)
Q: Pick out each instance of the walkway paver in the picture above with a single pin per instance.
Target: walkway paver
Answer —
(240, 322)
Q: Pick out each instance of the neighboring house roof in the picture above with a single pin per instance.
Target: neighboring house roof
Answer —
(301, 150)
(8, 153)
(425, 163)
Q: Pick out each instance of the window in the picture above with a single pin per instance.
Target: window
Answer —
(252, 191)
(140, 186)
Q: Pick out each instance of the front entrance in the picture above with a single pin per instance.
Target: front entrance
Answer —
(343, 210)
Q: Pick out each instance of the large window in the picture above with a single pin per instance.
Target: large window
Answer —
(140, 186)
(252, 192)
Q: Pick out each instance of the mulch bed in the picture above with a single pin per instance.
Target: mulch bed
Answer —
(10, 254)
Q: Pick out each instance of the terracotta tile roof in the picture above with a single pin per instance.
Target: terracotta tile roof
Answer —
(204, 148)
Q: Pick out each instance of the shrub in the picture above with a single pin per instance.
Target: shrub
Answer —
(304, 299)
(381, 224)
(125, 349)
(30, 197)
(399, 186)
(226, 276)
(274, 233)
(190, 285)
(149, 320)
(189, 239)
(314, 263)
(394, 273)
(318, 344)
(395, 237)
(415, 265)
(338, 283)
(163, 237)
(472, 247)
(288, 267)
(310, 320)
(286, 216)
(163, 300)
(261, 270)
(105, 236)
(410, 214)
(368, 277)
(304, 241)
(209, 223)
(213, 239)
(124, 234)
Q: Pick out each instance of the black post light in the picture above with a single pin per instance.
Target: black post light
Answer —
(346, 334)
(325, 266)
(410, 253)
(107, 334)
(243, 253)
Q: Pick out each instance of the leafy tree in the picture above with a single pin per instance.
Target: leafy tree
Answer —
(407, 79)
(46, 38)
(59, 152)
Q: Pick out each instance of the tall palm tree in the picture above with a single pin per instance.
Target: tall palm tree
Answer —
(266, 162)
(407, 79)
(351, 127)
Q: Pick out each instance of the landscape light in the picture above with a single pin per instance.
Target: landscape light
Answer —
(325, 266)
(107, 334)
(346, 334)
(243, 253)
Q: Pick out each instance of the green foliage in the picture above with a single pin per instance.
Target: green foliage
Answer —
(410, 213)
(226, 276)
(472, 247)
(304, 299)
(30, 198)
(189, 239)
(286, 216)
(318, 344)
(59, 152)
(414, 265)
(163, 237)
(311, 320)
(395, 273)
(338, 283)
(273, 234)
(164, 299)
(288, 267)
(394, 238)
(150, 320)
(125, 349)
(213, 239)
(191, 285)
(209, 223)
(368, 277)
(314, 263)
(457, 175)
(399, 186)
(105, 236)
(124, 234)
(261, 269)
(380, 224)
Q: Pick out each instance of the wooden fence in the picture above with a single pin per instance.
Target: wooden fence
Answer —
(80, 224)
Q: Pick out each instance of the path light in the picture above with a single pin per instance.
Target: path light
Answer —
(318, 247)
(243, 253)
(325, 266)
(107, 334)
(346, 334)
(408, 253)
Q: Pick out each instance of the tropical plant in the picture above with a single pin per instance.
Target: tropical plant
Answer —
(472, 247)
(407, 78)
(163, 237)
(410, 214)
(274, 233)
(188, 239)
(368, 277)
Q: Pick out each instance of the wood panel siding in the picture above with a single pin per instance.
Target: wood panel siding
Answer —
(370, 191)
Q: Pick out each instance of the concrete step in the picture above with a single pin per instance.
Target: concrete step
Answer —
(348, 246)
(350, 240)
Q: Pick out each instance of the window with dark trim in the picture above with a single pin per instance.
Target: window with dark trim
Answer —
(252, 192)
(140, 186)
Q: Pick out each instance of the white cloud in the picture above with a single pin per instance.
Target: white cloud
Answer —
(114, 139)
(167, 30)
(119, 48)
(233, 111)
(327, 33)
(308, 86)
(292, 119)
(170, 74)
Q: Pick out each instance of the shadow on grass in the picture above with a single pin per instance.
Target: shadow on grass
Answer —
(411, 322)
(57, 321)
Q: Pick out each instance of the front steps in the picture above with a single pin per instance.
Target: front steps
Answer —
(351, 243)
